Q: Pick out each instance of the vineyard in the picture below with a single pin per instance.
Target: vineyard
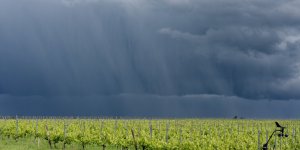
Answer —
(206, 134)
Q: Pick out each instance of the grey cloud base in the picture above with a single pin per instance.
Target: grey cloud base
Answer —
(150, 106)
(56, 50)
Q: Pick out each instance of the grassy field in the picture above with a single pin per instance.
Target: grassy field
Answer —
(90, 134)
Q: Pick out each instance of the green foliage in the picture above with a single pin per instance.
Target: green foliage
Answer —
(187, 134)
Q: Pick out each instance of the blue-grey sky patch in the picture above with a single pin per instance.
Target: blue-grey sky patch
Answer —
(70, 52)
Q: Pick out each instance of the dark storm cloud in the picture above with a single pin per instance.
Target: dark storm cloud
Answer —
(126, 105)
(62, 49)
(244, 44)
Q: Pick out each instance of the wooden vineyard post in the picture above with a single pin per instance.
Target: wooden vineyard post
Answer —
(65, 134)
(175, 123)
(17, 128)
(242, 128)
(158, 124)
(82, 124)
(267, 135)
(126, 128)
(225, 131)
(36, 128)
(180, 134)
(37, 138)
(139, 130)
(238, 129)
(135, 144)
(191, 133)
(210, 134)
(258, 140)
(287, 132)
(219, 135)
(167, 130)
(293, 136)
(231, 130)
(150, 128)
(116, 126)
(200, 131)
(247, 126)
(101, 128)
(48, 136)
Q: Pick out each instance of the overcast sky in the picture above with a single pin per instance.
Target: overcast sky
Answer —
(162, 58)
